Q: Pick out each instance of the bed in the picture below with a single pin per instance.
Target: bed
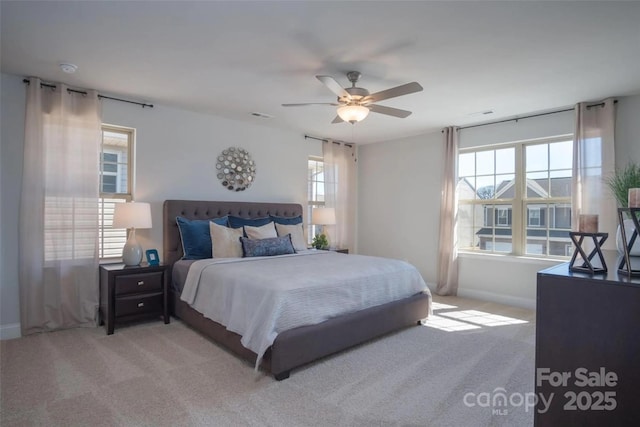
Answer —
(297, 346)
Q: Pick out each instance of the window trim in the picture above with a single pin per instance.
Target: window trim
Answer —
(312, 203)
(128, 195)
(130, 157)
(519, 201)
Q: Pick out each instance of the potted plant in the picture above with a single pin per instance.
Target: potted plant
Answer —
(320, 241)
(619, 183)
(622, 180)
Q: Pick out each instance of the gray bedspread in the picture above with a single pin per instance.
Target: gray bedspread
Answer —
(259, 297)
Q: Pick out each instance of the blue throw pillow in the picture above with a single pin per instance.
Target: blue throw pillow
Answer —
(267, 247)
(237, 222)
(195, 236)
(287, 220)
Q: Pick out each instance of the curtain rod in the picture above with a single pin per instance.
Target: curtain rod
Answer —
(516, 119)
(335, 141)
(600, 104)
(142, 104)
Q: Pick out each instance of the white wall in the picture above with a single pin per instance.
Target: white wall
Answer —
(399, 201)
(628, 130)
(12, 109)
(176, 152)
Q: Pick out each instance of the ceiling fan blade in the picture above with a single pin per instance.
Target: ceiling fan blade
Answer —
(310, 103)
(337, 120)
(389, 111)
(334, 86)
(393, 92)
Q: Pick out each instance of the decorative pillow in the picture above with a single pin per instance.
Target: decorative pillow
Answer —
(238, 222)
(297, 235)
(225, 241)
(194, 234)
(263, 232)
(267, 247)
(287, 220)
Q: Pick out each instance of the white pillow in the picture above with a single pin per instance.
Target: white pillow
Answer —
(266, 231)
(225, 241)
(297, 235)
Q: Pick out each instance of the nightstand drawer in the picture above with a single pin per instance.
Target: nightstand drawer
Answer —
(137, 283)
(143, 304)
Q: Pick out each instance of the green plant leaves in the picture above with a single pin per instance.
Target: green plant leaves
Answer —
(622, 180)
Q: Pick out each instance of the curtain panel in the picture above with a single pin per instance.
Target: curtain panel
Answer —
(593, 163)
(340, 191)
(58, 258)
(447, 283)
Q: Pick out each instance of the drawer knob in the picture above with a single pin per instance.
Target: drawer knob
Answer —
(140, 304)
(141, 282)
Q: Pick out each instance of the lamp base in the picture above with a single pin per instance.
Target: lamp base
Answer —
(132, 251)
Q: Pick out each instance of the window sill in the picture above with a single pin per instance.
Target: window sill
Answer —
(528, 259)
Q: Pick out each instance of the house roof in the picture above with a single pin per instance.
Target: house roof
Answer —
(553, 187)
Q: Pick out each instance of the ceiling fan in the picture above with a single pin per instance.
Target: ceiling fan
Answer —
(354, 103)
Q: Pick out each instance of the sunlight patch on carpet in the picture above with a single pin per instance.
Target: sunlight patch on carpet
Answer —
(449, 325)
(441, 306)
(482, 318)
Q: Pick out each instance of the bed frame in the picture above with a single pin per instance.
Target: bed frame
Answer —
(298, 346)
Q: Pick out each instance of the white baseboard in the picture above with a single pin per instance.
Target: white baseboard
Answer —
(499, 298)
(10, 331)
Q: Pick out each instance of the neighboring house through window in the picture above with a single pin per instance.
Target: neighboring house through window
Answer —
(516, 198)
(115, 186)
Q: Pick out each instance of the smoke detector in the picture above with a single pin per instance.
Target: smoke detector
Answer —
(68, 68)
(261, 115)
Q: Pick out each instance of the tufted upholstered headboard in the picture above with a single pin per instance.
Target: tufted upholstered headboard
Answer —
(196, 209)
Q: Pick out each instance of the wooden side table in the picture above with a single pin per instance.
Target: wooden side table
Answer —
(129, 293)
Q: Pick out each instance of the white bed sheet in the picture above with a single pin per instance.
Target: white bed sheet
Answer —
(260, 297)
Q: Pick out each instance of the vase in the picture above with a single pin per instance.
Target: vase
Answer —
(628, 229)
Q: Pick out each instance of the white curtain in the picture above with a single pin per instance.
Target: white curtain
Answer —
(58, 261)
(340, 192)
(593, 163)
(447, 250)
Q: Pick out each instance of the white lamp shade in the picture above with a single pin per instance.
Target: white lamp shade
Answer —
(132, 215)
(323, 216)
(353, 113)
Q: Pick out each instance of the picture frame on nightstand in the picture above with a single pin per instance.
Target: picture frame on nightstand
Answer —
(152, 257)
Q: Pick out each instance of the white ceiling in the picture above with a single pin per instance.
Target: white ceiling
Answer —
(234, 58)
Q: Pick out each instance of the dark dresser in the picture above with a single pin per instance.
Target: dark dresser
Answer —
(588, 347)
(129, 293)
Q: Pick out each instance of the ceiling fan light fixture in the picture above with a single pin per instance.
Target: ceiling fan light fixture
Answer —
(353, 113)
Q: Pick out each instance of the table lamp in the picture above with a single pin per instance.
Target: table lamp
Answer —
(132, 215)
(323, 217)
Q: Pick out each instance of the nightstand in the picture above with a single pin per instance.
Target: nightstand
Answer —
(341, 251)
(129, 293)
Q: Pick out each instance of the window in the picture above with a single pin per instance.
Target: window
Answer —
(503, 218)
(516, 198)
(115, 186)
(315, 191)
(533, 216)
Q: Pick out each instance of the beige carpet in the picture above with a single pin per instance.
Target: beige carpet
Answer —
(153, 374)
